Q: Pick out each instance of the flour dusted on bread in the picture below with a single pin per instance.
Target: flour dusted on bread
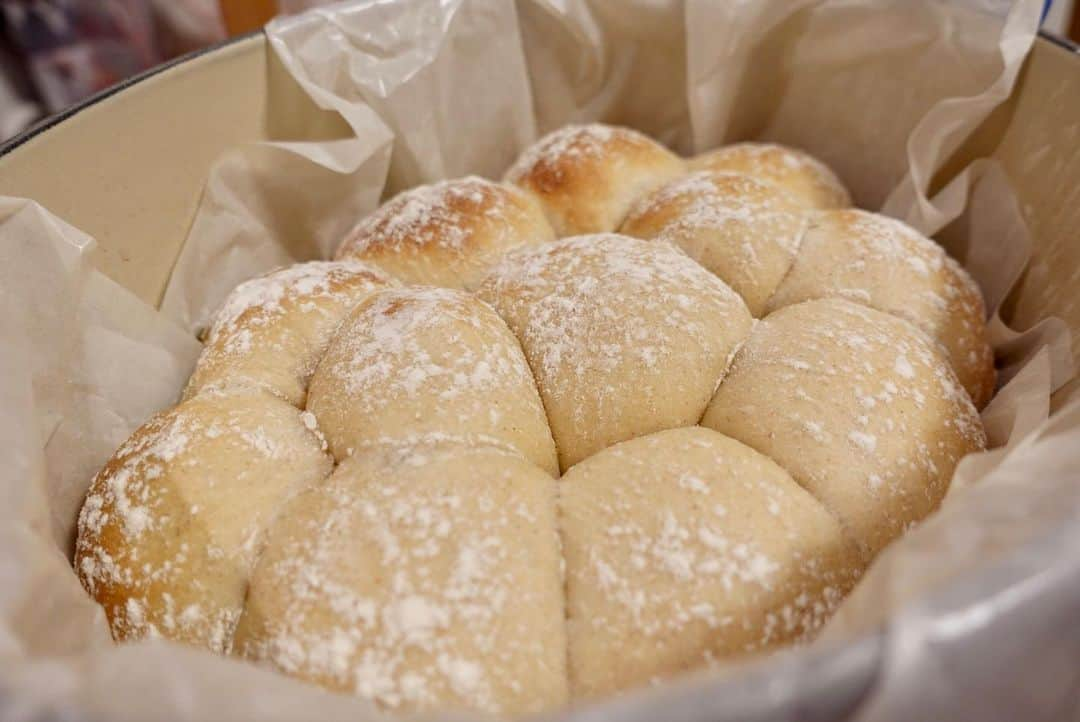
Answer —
(883, 263)
(420, 359)
(421, 577)
(271, 331)
(686, 547)
(586, 177)
(360, 487)
(447, 233)
(744, 230)
(806, 178)
(174, 522)
(857, 405)
(625, 337)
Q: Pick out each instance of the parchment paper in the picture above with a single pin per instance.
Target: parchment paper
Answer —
(883, 90)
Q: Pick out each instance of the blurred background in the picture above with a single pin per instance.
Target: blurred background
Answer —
(54, 53)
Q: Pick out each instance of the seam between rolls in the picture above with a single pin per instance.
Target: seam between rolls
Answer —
(285, 502)
(564, 584)
(535, 382)
(844, 527)
(279, 508)
(729, 362)
(808, 224)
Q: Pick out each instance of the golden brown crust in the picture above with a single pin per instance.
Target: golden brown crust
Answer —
(421, 577)
(685, 547)
(809, 180)
(587, 176)
(422, 360)
(857, 405)
(448, 233)
(625, 337)
(883, 263)
(172, 523)
(744, 230)
(271, 331)
(378, 581)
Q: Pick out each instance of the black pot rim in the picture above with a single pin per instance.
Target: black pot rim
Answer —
(55, 119)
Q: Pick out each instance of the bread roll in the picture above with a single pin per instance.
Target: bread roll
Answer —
(587, 176)
(271, 330)
(879, 261)
(419, 360)
(684, 547)
(172, 525)
(800, 174)
(725, 481)
(625, 337)
(422, 578)
(447, 234)
(744, 230)
(857, 405)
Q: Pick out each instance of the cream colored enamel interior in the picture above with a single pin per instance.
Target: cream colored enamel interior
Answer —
(138, 211)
